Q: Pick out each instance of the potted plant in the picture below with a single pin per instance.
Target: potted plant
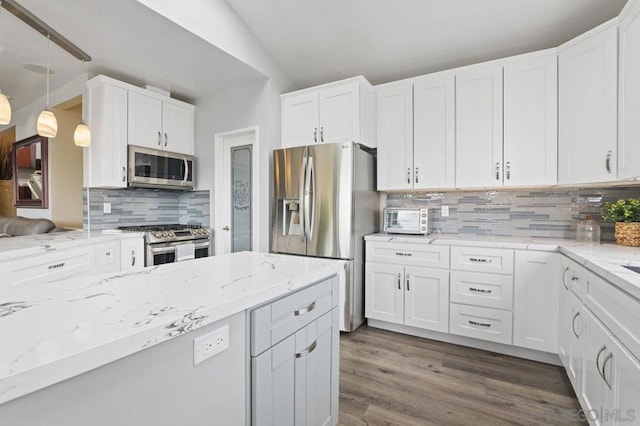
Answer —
(626, 214)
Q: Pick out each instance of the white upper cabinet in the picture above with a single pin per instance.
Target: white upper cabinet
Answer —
(337, 112)
(479, 126)
(531, 120)
(434, 132)
(588, 107)
(160, 123)
(629, 142)
(395, 136)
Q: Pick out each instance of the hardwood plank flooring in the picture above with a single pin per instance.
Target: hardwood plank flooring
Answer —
(392, 379)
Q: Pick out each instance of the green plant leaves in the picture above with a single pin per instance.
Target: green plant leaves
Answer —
(622, 210)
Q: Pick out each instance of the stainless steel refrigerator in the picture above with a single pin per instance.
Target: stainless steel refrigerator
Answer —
(324, 203)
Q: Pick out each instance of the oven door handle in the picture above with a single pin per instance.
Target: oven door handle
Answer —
(202, 245)
(162, 250)
(186, 171)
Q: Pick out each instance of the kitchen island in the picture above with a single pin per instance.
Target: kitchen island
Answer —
(119, 349)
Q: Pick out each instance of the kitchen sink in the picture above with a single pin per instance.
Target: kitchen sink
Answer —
(635, 269)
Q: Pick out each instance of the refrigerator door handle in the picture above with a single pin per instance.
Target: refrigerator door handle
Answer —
(308, 194)
(303, 205)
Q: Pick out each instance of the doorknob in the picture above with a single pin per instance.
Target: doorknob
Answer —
(225, 228)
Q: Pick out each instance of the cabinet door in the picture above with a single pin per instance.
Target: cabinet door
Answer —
(339, 114)
(145, 121)
(622, 372)
(531, 121)
(395, 136)
(434, 132)
(479, 127)
(384, 292)
(427, 298)
(535, 308)
(594, 393)
(131, 254)
(178, 128)
(588, 109)
(576, 339)
(300, 120)
(629, 143)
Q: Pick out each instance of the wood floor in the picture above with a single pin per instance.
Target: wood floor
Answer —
(391, 379)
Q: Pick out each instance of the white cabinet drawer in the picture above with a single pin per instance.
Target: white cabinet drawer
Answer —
(423, 255)
(277, 320)
(49, 267)
(486, 290)
(499, 261)
(481, 323)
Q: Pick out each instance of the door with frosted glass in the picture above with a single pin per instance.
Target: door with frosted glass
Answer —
(241, 192)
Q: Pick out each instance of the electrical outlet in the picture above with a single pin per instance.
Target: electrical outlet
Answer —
(445, 211)
(210, 344)
(106, 207)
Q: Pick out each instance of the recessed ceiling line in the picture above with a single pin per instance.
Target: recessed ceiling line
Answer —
(39, 25)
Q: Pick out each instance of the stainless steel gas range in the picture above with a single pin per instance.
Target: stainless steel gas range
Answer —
(173, 243)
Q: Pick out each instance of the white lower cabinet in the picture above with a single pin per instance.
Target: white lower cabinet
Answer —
(132, 254)
(571, 336)
(294, 364)
(481, 323)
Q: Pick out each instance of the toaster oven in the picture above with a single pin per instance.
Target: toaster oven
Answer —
(405, 220)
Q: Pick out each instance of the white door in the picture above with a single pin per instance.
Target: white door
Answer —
(575, 350)
(235, 207)
(395, 136)
(426, 302)
(384, 292)
(434, 132)
(588, 78)
(339, 114)
(145, 121)
(535, 307)
(300, 120)
(178, 128)
(479, 127)
(622, 372)
(629, 143)
(531, 121)
(131, 254)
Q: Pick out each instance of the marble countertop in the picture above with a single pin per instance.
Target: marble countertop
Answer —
(29, 245)
(605, 259)
(50, 333)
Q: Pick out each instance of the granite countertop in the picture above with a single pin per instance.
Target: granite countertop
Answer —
(602, 259)
(53, 332)
(29, 245)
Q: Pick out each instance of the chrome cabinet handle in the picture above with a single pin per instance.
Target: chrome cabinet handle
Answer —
(315, 134)
(306, 310)
(604, 374)
(479, 260)
(408, 282)
(416, 175)
(574, 278)
(408, 174)
(166, 139)
(133, 257)
(159, 138)
(399, 276)
(508, 170)
(308, 350)
(602, 349)
(398, 253)
(607, 162)
(56, 265)
(321, 134)
(480, 324)
(498, 170)
(564, 274)
(479, 290)
(573, 324)
(124, 174)
(226, 228)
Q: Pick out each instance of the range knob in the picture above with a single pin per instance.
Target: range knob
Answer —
(157, 234)
(165, 234)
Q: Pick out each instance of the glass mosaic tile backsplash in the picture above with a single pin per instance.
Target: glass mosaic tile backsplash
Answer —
(138, 206)
(551, 213)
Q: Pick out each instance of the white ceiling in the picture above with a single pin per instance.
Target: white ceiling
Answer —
(125, 40)
(318, 41)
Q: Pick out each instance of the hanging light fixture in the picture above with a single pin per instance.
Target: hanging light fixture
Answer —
(82, 134)
(5, 107)
(47, 124)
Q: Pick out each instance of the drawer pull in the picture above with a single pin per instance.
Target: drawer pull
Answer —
(399, 276)
(303, 311)
(574, 278)
(604, 374)
(133, 258)
(479, 260)
(308, 350)
(602, 349)
(479, 324)
(479, 290)
(407, 282)
(564, 274)
(573, 324)
(403, 254)
(56, 265)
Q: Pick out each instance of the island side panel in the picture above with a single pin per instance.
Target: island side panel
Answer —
(158, 386)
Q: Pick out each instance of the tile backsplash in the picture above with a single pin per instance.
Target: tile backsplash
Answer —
(139, 206)
(551, 213)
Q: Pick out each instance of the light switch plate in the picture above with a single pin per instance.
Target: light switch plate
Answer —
(206, 346)
(445, 211)
(106, 207)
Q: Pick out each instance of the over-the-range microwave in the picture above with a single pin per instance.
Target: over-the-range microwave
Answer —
(406, 220)
(154, 168)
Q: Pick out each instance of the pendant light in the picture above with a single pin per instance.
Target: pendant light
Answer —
(5, 107)
(47, 123)
(82, 135)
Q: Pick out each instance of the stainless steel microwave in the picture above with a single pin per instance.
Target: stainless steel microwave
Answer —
(154, 168)
(401, 220)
